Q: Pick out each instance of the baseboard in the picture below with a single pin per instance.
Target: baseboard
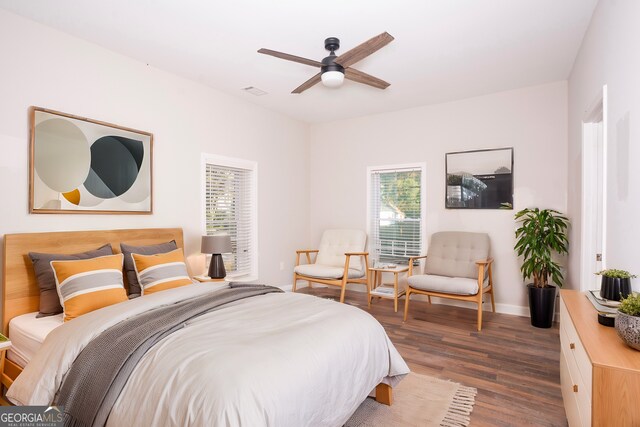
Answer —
(515, 310)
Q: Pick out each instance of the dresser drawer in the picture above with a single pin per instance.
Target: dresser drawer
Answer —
(571, 345)
(577, 403)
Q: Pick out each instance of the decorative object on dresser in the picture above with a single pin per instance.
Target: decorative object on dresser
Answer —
(615, 284)
(340, 259)
(599, 374)
(79, 165)
(607, 310)
(628, 321)
(457, 266)
(479, 179)
(216, 245)
(542, 233)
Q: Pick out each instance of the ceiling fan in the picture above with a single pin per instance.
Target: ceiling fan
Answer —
(334, 69)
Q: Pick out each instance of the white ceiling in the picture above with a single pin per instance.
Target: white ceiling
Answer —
(443, 50)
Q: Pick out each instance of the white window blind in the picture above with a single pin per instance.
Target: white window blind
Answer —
(396, 213)
(230, 207)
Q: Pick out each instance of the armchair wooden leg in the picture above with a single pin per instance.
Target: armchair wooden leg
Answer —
(344, 288)
(480, 311)
(406, 303)
(493, 302)
(368, 289)
(295, 279)
(429, 297)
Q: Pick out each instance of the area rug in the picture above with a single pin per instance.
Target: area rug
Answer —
(419, 400)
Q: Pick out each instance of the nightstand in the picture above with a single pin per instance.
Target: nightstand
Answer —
(207, 279)
(5, 344)
(390, 290)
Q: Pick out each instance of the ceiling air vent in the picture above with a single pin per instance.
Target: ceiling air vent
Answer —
(254, 91)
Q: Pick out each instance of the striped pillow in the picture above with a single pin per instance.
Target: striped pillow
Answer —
(161, 271)
(87, 285)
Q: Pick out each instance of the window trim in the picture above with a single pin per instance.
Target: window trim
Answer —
(423, 199)
(233, 162)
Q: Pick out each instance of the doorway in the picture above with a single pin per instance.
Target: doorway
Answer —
(594, 192)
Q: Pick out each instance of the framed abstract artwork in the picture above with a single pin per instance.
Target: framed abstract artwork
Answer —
(479, 179)
(79, 165)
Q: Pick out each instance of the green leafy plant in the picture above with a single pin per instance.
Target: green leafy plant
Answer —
(542, 232)
(616, 274)
(630, 305)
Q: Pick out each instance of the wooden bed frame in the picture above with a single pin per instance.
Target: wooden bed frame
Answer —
(20, 292)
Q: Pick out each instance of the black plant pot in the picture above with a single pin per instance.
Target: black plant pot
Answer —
(613, 288)
(542, 302)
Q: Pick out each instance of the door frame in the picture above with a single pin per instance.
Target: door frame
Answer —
(594, 115)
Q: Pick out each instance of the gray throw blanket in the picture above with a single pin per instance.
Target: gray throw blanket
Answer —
(102, 369)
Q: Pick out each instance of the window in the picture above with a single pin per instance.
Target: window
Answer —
(396, 212)
(230, 206)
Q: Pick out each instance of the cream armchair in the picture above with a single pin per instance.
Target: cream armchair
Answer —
(340, 259)
(457, 266)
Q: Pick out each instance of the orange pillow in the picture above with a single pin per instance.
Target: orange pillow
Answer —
(161, 271)
(89, 284)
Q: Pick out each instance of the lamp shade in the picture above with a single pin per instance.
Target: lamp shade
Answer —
(216, 244)
(332, 78)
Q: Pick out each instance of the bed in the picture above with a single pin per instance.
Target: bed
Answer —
(273, 359)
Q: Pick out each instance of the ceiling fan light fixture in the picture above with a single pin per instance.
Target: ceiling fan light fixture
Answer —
(332, 78)
(334, 69)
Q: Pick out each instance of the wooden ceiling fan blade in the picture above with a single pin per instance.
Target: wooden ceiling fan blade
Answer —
(363, 50)
(288, 57)
(364, 78)
(306, 85)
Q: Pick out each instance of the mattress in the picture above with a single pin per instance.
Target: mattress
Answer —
(27, 333)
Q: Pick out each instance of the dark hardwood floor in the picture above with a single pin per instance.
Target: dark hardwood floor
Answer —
(514, 366)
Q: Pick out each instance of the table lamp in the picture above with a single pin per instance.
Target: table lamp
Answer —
(216, 245)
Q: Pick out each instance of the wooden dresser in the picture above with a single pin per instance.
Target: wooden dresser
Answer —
(599, 374)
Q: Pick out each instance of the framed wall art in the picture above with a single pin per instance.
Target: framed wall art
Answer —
(79, 165)
(479, 179)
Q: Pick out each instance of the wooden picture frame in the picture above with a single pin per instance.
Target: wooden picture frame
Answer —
(84, 166)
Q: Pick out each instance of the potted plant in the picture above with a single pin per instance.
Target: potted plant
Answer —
(628, 321)
(616, 284)
(542, 233)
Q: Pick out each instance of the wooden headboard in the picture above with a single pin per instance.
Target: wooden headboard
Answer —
(20, 292)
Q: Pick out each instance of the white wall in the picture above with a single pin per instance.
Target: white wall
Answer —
(47, 68)
(609, 55)
(532, 120)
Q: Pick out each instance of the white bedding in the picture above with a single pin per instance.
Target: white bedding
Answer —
(27, 333)
(276, 359)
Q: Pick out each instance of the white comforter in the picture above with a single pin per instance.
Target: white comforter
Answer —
(272, 360)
